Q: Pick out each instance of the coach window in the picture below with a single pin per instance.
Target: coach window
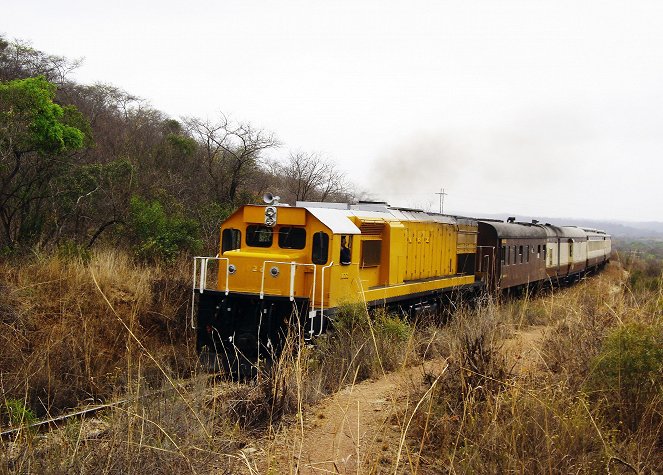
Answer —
(527, 253)
(320, 248)
(258, 236)
(292, 238)
(538, 251)
(503, 257)
(515, 254)
(230, 239)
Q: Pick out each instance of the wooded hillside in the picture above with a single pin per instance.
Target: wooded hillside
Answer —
(80, 164)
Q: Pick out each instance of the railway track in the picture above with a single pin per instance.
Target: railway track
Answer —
(55, 422)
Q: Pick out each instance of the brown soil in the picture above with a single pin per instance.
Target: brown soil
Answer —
(522, 349)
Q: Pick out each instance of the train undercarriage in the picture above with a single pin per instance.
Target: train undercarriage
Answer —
(238, 334)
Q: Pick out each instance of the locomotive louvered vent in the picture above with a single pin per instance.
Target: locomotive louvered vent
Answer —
(371, 229)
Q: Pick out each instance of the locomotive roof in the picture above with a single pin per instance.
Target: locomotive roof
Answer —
(337, 216)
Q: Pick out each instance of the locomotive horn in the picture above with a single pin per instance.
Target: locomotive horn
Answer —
(269, 199)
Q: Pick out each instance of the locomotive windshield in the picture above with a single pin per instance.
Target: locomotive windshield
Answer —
(292, 238)
(258, 236)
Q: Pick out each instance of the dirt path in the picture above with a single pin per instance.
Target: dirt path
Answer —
(523, 349)
(357, 430)
(360, 429)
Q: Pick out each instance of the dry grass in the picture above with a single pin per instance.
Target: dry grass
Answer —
(484, 418)
(63, 343)
(79, 331)
(66, 339)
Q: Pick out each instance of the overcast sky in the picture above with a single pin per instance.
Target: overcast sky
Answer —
(543, 108)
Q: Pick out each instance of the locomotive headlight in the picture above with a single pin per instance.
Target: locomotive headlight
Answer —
(270, 216)
(274, 271)
(232, 269)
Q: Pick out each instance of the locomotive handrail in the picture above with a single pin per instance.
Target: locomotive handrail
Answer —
(293, 267)
(202, 280)
(322, 300)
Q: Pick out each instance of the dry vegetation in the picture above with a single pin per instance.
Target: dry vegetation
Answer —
(104, 328)
(593, 405)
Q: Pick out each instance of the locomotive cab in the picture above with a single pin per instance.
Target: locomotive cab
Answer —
(271, 261)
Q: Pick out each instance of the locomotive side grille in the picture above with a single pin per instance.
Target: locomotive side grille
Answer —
(371, 229)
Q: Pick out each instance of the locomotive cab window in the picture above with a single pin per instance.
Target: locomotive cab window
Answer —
(346, 251)
(320, 252)
(231, 239)
(258, 236)
(292, 238)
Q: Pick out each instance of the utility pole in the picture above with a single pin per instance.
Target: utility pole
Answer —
(442, 195)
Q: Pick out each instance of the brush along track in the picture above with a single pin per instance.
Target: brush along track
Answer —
(54, 423)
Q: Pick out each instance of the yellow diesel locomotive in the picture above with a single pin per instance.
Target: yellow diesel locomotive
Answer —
(282, 267)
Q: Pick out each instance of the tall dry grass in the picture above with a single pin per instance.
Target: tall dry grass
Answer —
(65, 335)
(108, 328)
(485, 417)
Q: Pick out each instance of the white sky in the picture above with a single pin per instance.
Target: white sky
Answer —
(530, 107)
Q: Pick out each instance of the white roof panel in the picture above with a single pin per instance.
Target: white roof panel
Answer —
(337, 220)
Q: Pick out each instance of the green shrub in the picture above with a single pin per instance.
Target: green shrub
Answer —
(393, 328)
(69, 249)
(351, 318)
(160, 236)
(15, 413)
(627, 375)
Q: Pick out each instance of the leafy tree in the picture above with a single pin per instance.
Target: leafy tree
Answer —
(93, 198)
(37, 138)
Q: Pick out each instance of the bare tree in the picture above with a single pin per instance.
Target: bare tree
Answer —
(231, 153)
(18, 60)
(307, 176)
